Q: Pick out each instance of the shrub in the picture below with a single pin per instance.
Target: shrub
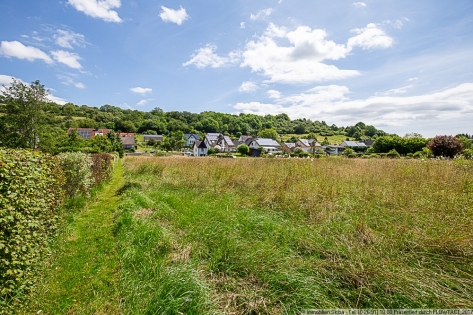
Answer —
(468, 154)
(393, 154)
(30, 197)
(101, 167)
(77, 168)
(447, 146)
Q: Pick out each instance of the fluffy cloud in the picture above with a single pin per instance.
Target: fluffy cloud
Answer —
(261, 14)
(359, 4)
(206, 57)
(248, 87)
(67, 58)
(68, 38)
(370, 37)
(174, 16)
(20, 51)
(274, 94)
(140, 90)
(332, 103)
(242, 25)
(7, 79)
(101, 9)
(70, 81)
(301, 62)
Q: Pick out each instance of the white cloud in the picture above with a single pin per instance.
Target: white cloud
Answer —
(20, 51)
(67, 58)
(274, 94)
(174, 16)
(70, 81)
(261, 14)
(274, 31)
(68, 38)
(370, 37)
(412, 79)
(332, 103)
(144, 102)
(7, 79)
(140, 90)
(101, 9)
(206, 57)
(242, 25)
(400, 90)
(299, 63)
(56, 99)
(359, 4)
(248, 87)
(396, 24)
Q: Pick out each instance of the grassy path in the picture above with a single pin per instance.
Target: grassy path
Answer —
(83, 277)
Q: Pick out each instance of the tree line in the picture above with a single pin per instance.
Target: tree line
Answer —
(29, 120)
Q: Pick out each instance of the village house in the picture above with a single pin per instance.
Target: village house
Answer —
(88, 133)
(259, 145)
(307, 144)
(127, 139)
(190, 138)
(200, 148)
(226, 144)
(353, 144)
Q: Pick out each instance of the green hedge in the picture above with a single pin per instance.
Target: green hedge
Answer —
(30, 198)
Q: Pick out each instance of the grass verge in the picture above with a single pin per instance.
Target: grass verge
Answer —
(82, 275)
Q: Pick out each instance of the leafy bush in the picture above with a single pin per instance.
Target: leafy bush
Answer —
(447, 146)
(393, 154)
(101, 167)
(468, 154)
(30, 197)
(77, 168)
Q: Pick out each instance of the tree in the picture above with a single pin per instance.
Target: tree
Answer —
(101, 144)
(25, 107)
(243, 149)
(325, 142)
(312, 136)
(447, 146)
(268, 133)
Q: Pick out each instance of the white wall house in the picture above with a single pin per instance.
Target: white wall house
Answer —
(268, 145)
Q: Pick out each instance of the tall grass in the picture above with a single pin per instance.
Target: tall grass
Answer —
(270, 236)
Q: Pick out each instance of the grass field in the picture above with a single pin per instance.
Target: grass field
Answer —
(272, 236)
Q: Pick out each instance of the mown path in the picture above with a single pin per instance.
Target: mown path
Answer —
(83, 276)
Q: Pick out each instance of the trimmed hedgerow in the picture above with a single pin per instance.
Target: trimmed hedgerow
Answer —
(101, 167)
(30, 198)
(77, 168)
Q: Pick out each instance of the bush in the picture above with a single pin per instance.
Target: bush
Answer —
(393, 154)
(77, 168)
(101, 167)
(447, 146)
(468, 154)
(30, 197)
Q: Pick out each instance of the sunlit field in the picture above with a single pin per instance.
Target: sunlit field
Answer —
(273, 236)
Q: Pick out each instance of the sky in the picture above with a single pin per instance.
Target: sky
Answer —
(402, 66)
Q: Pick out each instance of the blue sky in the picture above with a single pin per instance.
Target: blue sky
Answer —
(403, 66)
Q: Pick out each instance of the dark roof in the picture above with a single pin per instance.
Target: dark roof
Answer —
(188, 135)
(202, 145)
(128, 140)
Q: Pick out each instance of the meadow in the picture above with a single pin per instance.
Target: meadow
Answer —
(273, 236)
